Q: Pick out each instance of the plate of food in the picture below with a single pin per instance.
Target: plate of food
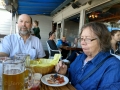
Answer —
(49, 80)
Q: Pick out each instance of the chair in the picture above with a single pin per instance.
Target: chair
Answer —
(49, 50)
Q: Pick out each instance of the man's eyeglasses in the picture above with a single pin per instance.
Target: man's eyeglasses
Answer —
(87, 40)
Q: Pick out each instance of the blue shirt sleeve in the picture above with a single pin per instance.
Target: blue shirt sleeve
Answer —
(59, 43)
(111, 78)
(107, 77)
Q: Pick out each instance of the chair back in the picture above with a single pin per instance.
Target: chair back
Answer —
(49, 50)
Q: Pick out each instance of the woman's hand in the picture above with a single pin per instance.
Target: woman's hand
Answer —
(62, 66)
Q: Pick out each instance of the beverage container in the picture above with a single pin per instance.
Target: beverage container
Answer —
(13, 76)
(23, 56)
(2, 59)
(27, 61)
(36, 82)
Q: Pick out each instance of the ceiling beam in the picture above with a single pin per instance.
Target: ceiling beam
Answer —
(65, 3)
(100, 7)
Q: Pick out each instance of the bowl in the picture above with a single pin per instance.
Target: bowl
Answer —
(44, 66)
(43, 70)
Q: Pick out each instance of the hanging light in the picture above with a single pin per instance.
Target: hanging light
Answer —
(93, 15)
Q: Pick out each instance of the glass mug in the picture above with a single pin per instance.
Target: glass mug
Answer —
(1, 60)
(23, 56)
(13, 76)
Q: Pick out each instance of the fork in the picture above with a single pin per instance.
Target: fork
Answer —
(55, 76)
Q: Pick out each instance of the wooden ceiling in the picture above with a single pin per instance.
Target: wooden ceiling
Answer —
(108, 14)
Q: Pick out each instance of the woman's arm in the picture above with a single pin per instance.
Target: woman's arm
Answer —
(63, 68)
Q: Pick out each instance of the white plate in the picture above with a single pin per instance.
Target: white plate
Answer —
(43, 79)
(66, 61)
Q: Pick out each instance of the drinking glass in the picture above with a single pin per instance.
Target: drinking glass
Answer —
(23, 56)
(13, 75)
(1, 60)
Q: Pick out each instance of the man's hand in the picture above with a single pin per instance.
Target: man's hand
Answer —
(2, 54)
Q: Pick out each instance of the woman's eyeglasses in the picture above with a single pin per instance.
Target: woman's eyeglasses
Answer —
(87, 40)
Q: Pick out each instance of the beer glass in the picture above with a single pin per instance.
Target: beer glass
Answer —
(26, 57)
(13, 76)
(23, 56)
(1, 60)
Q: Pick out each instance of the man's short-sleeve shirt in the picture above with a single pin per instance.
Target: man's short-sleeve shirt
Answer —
(14, 43)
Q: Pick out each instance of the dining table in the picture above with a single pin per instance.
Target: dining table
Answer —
(46, 87)
(71, 48)
(65, 87)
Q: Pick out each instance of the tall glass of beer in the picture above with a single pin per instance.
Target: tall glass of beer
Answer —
(13, 74)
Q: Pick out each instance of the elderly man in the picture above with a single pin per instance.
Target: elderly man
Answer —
(22, 42)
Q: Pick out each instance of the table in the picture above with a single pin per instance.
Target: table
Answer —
(66, 87)
(71, 48)
(45, 87)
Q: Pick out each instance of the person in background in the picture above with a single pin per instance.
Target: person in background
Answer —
(22, 42)
(63, 42)
(52, 43)
(74, 53)
(95, 42)
(118, 44)
(115, 37)
(36, 29)
(75, 43)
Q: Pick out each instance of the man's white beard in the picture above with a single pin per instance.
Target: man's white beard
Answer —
(21, 32)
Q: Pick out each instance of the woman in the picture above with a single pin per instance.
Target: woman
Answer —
(115, 35)
(52, 43)
(75, 53)
(36, 29)
(75, 43)
(95, 42)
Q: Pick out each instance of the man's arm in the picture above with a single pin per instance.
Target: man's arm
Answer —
(2, 54)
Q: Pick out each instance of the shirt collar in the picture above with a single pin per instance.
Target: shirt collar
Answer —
(19, 37)
(99, 57)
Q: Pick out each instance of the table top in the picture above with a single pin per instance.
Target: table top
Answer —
(45, 87)
(66, 87)
(71, 48)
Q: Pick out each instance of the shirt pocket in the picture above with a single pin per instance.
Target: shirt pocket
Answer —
(33, 54)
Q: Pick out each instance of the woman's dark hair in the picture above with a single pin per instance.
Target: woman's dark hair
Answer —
(36, 22)
(50, 33)
(113, 32)
(101, 32)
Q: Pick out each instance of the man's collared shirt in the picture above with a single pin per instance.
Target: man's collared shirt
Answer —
(14, 43)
